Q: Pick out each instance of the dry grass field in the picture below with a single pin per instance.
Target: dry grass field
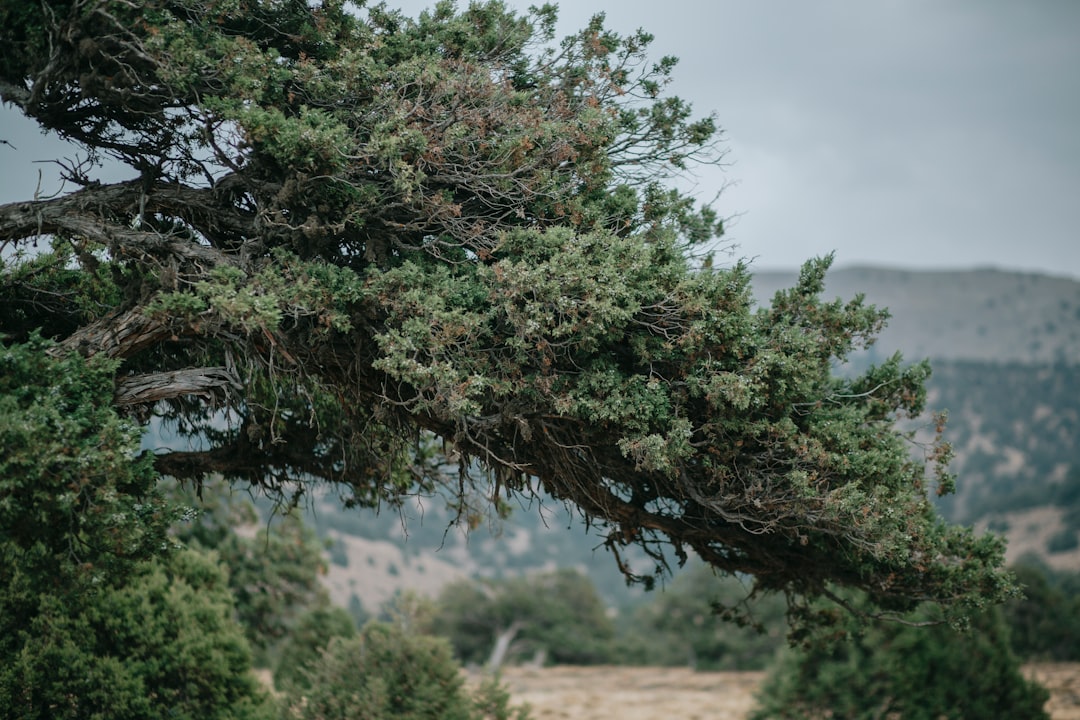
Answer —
(595, 693)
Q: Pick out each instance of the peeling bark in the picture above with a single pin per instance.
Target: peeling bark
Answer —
(208, 382)
(118, 335)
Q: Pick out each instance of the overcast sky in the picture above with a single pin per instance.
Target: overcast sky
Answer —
(902, 133)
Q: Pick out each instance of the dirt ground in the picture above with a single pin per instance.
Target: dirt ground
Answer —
(595, 693)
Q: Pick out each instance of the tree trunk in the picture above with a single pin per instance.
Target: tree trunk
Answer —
(502, 645)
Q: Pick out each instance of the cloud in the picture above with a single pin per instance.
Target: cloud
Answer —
(898, 132)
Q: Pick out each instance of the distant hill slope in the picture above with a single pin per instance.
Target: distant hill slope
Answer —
(989, 315)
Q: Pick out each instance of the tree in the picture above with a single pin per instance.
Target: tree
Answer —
(306, 640)
(1044, 625)
(688, 624)
(352, 237)
(274, 577)
(896, 670)
(389, 671)
(100, 615)
(557, 615)
(162, 644)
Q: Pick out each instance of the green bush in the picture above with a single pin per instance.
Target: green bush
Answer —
(306, 641)
(1045, 624)
(684, 625)
(558, 615)
(274, 576)
(387, 672)
(915, 673)
(100, 616)
(163, 644)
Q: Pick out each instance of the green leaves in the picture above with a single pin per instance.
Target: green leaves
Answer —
(891, 669)
(350, 231)
(74, 496)
(160, 643)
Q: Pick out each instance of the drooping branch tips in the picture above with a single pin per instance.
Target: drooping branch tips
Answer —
(351, 238)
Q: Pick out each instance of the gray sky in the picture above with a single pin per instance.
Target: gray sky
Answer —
(909, 133)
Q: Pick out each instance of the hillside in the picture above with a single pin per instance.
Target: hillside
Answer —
(988, 315)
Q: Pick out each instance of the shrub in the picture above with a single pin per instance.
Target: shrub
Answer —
(1045, 624)
(915, 673)
(387, 672)
(685, 624)
(163, 644)
(308, 639)
(558, 615)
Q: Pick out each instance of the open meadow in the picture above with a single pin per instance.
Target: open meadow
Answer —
(645, 693)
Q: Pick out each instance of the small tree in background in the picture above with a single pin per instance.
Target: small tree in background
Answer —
(391, 673)
(305, 642)
(688, 624)
(1045, 623)
(556, 615)
(895, 670)
(274, 574)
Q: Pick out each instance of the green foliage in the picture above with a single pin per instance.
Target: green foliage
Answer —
(306, 640)
(74, 498)
(160, 644)
(557, 614)
(1044, 624)
(388, 672)
(351, 233)
(689, 623)
(100, 616)
(894, 670)
(273, 574)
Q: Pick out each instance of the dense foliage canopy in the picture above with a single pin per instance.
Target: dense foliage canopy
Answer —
(362, 249)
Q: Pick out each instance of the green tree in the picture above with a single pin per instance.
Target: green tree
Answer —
(161, 644)
(348, 233)
(274, 571)
(75, 507)
(895, 670)
(306, 640)
(557, 615)
(1044, 624)
(687, 624)
(390, 672)
(100, 615)
(274, 577)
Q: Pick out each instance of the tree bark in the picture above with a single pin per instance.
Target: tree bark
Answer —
(120, 334)
(502, 645)
(207, 382)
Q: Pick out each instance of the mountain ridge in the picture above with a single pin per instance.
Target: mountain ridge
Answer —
(983, 314)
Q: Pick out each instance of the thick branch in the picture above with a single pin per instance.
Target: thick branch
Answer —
(206, 382)
(86, 214)
(119, 334)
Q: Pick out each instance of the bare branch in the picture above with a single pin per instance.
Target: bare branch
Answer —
(209, 383)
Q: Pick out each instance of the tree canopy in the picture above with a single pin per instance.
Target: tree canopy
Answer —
(365, 250)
